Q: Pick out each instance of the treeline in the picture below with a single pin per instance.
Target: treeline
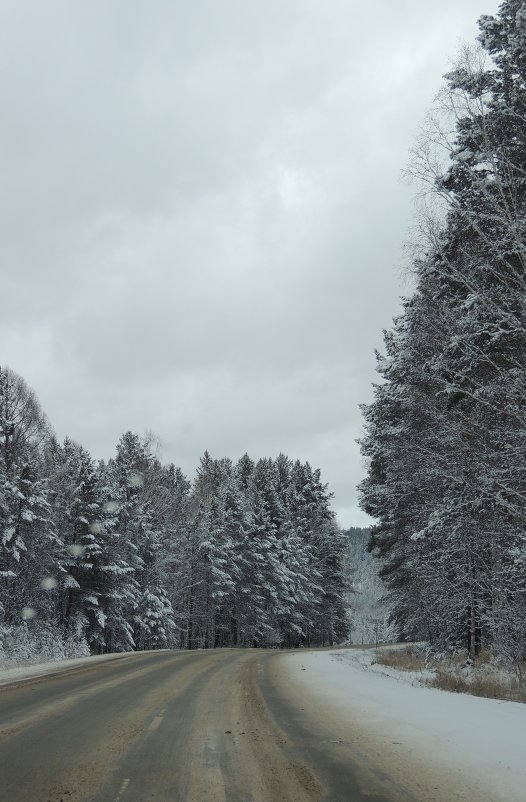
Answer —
(446, 434)
(128, 554)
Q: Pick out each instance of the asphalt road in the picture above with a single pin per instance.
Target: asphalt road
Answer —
(218, 726)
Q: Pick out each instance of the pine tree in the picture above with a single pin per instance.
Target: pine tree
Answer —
(28, 537)
(76, 510)
(445, 434)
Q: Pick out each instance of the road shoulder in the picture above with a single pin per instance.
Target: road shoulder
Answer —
(439, 746)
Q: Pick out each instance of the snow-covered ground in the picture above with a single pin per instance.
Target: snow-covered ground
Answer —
(20, 673)
(464, 737)
(365, 659)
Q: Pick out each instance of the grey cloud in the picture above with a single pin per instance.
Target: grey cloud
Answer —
(201, 215)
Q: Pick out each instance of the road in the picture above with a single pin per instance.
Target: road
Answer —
(218, 726)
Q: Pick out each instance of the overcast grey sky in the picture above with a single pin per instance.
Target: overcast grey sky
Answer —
(202, 214)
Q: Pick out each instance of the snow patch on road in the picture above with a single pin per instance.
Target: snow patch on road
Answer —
(474, 737)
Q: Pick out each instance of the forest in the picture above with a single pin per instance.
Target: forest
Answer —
(129, 554)
(445, 435)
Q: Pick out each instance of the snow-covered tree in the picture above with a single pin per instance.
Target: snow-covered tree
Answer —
(77, 513)
(28, 536)
(445, 435)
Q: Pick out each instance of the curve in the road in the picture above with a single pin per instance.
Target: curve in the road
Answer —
(175, 727)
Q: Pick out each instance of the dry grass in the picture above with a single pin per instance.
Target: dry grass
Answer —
(486, 685)
(402, 659)
(453, 674)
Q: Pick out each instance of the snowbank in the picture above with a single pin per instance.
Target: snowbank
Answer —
(464, 736)
(20, 673)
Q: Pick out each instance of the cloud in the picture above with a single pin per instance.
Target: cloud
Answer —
(201, 215)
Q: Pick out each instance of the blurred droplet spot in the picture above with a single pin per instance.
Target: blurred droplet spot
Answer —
(136, 480)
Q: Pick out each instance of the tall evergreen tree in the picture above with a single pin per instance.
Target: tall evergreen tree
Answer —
(445, 434)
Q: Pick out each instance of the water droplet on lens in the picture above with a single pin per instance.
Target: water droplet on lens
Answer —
(28, 613)
(49, 583)
(136, 480)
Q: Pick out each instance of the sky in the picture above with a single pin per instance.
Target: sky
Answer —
(202, 215)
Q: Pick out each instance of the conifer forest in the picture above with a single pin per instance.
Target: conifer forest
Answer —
(128, 554)
(446, 433)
